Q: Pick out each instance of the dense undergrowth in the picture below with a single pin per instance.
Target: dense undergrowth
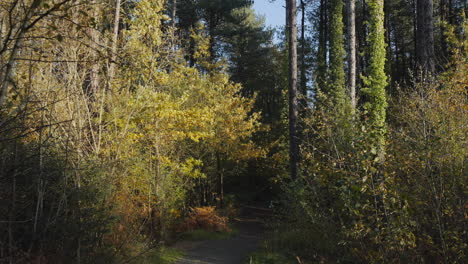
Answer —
(407, 209)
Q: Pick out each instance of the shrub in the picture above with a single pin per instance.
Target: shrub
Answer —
(205, 218)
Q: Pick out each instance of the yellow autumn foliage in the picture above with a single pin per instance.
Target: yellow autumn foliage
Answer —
(165, 118)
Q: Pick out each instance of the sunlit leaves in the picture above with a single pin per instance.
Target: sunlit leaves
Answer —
(168, 119)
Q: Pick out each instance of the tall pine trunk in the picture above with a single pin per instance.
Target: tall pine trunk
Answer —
(321, 73)
(352, 51)
(444, 16)
(303, 55)
(425, 36)
(291, 10)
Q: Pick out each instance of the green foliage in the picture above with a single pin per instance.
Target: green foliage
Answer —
(249, 48)
(166, 122)
(429, 149)
(332, 115)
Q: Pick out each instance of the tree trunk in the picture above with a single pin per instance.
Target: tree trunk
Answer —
(174, 12)
(336, 90)
(321, 72)
(425, 36)
(211, 34)
(352, 51)
(2, 36)
(293, 106)
(375, 94)
(303, 63)
(115, 37)
(361, 35)
(287, 21)
(94, 71)
(219, 171)
(12, 209)
(415, 40)
(444, 17)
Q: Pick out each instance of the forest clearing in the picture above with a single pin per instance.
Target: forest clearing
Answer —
(190, 131)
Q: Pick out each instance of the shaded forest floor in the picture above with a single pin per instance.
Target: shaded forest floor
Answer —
(250, 227)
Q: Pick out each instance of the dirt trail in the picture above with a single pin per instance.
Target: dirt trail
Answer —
(233, 250)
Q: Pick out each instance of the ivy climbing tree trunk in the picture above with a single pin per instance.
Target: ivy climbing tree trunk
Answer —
(376, 101)
(376, 79)
(291, 10)
(337, 92)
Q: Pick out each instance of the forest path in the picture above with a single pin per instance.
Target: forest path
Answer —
(234, 250)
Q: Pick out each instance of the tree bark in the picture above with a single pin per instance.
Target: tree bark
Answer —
(2, 35)
(287, 21)
(352, 51)
(444, 17)
(220, 179)
(293, 106)
(115, 37)
(94, 71)
(425, 36)
(303, 63)
(174, 12)
(322, 48)
(415, 40)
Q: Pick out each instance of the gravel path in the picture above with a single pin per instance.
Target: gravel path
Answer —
(234, 250)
